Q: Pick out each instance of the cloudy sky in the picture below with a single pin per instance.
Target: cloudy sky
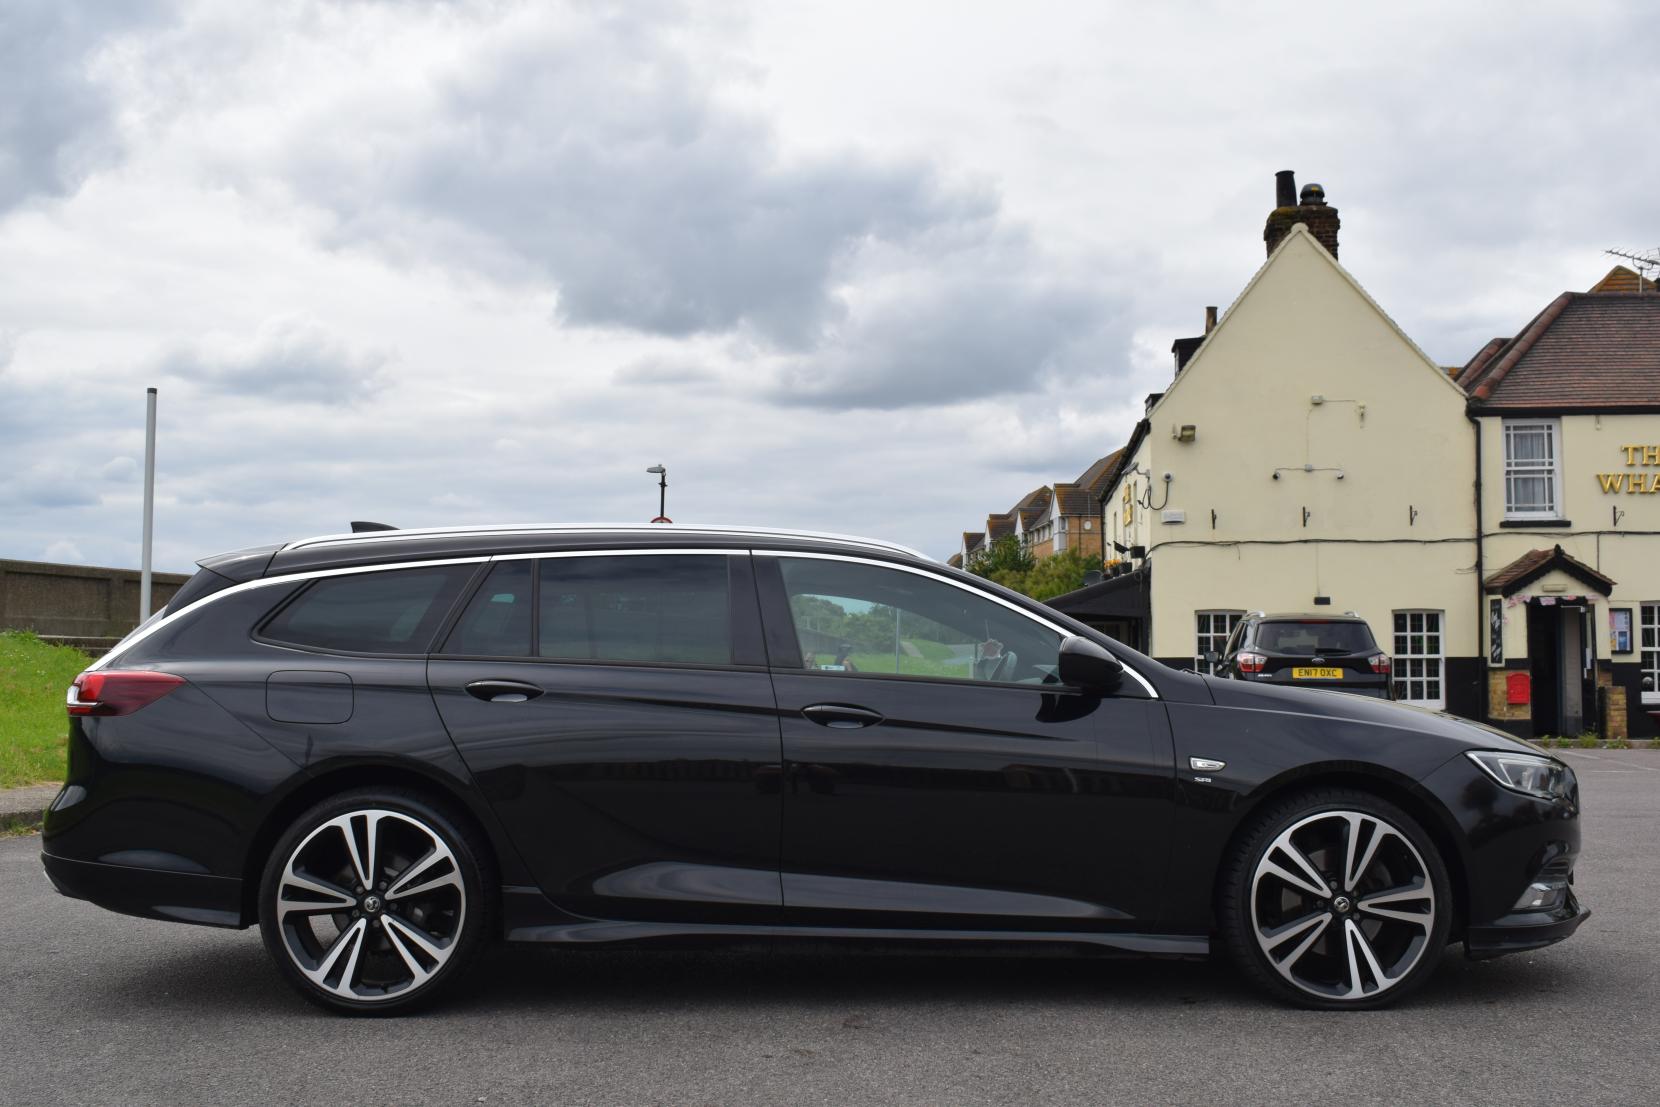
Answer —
(877, 267)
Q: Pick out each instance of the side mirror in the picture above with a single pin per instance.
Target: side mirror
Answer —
(1213, 658)
(1089, 665)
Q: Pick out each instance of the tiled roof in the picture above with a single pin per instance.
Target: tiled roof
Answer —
(998, 526)
(1586, 350)
(1073, 499)
(1536, 563)
(955, 561)
(1032, 507)
(973, 538)
(1095, 479)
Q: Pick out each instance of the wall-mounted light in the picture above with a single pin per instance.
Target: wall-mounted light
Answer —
(1186, 432)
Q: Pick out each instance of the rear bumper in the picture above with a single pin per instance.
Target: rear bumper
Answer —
(1521, 932)
(149, 893)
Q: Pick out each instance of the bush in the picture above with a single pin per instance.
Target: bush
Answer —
(1619, 743)
(1586, 742)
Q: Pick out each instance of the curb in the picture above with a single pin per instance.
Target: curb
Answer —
(21, 808)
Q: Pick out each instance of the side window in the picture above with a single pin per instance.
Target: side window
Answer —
(497, 622)
(856, 618)
(669, 608)
(1214, 631)
(391, 611)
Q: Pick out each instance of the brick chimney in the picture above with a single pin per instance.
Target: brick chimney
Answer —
(1289, 210)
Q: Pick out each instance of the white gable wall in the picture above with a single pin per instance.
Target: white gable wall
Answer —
(1392, 422)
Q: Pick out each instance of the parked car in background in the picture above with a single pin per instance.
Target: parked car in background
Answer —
(386, 750)
(1336, 652)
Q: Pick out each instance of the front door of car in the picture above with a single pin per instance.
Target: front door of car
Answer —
(616, 712)
(938, 775)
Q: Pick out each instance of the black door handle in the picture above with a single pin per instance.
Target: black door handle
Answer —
(841, 716)
(503, 691)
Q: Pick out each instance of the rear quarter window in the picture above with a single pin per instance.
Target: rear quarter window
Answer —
(394, 611)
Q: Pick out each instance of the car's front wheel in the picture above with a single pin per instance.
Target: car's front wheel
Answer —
(1336, 899)
(373, 901)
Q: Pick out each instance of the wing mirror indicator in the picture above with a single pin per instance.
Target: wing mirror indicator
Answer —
(1089, 665)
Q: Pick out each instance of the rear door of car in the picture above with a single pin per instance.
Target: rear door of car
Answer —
(616, 711)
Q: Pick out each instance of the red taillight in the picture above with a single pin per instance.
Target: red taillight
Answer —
(1249, 662)
(118, 693)
(1380, 663)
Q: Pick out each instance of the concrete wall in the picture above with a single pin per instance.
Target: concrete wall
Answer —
(76, 601)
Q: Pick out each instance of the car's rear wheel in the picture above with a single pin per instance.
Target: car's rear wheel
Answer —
(1336, 899)
(374, 901)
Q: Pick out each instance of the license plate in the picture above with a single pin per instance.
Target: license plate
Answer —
(1316, 674)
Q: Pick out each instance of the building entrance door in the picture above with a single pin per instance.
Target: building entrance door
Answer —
(1558, 648)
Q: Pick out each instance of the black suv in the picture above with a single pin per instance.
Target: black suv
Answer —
(386, 750)
(1312, 651)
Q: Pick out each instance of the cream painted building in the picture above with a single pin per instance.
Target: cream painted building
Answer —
(1569, 429)
(1308, 456)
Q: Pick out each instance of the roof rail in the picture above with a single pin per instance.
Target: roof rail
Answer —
(599, 528)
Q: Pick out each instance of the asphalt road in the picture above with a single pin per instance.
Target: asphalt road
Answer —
(100, 1009)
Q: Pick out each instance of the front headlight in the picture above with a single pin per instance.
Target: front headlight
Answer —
(1541, 777)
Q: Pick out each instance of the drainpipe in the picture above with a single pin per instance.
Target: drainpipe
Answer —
(1482, 642)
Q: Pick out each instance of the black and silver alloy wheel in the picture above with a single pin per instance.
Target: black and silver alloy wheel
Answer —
(1343, 902)
(370, 900)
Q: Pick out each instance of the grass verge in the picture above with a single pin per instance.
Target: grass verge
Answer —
(33, 724)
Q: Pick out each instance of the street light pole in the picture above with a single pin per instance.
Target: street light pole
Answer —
(144, 575)
(662, 492)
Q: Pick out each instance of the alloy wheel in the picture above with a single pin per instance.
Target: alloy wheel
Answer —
(370, 905)
(1342, 905)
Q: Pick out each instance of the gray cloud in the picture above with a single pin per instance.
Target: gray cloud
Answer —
(597, 157)
(56, 121)
(292, 360)
(981, 323)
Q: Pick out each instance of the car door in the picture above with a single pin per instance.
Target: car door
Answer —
(616, 712)
(938, 775)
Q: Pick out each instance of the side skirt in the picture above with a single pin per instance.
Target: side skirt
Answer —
(530, 918)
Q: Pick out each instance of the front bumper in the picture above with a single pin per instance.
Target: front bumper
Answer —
(148, 892)
(1523, 931)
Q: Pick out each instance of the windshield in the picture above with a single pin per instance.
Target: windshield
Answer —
(1305, 639)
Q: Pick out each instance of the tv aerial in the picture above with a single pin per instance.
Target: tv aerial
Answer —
(1647, 264)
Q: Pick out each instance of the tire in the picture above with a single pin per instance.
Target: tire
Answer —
(1335, 899)
(392, 942)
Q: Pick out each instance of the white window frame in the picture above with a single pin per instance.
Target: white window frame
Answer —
(1401, 676)
(1648, 649)
(1551, 467)
(1204, 628)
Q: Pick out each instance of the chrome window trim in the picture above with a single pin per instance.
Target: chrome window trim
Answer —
(970, 589)
(150, 628)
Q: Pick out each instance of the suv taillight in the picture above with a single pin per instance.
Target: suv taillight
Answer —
(1380, 663)
(1249, 662)
(118, 693)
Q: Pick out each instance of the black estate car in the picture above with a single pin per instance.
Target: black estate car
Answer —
(388, 749)
(1336, 652)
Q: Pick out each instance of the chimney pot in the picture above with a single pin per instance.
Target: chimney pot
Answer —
(1285, 189)
(1210, 319)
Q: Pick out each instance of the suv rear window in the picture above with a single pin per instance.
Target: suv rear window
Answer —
(392, 611)
(1305, 639)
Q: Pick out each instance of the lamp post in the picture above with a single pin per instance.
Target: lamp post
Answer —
(145, 577)
(662, 493)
